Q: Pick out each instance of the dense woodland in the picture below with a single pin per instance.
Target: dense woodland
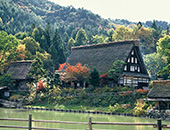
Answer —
(47, 30)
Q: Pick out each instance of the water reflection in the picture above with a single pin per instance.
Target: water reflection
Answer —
(73, 117)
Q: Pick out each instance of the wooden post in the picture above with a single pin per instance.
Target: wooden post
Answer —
(90, 123)
(159, 124)
(30, 122)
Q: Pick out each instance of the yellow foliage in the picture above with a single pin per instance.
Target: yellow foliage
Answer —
(139, 109)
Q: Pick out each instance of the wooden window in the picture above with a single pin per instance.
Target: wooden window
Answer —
(135, 80)
(136, 61)
(129, 81)
(132, 68)
(125, 68)
(132, 59)
(124, 80)
(121, 80)
(128, 59)
(138, 69)
(132, 52)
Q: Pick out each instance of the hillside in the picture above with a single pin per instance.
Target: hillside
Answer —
(19, 15)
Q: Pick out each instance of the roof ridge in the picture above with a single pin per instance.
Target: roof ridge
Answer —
(136, 42)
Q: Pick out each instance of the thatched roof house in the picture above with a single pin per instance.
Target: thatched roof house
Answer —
(19, 72)
(102, 56)
(160, 94)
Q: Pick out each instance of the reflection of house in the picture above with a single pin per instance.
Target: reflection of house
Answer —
(160, 94)
(102, 56)
(19, 73)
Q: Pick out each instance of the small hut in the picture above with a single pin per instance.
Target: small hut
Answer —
(19, 73)
(160, 94)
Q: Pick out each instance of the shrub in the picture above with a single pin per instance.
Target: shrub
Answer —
(139, 109)
(116, 108)
(14, 97)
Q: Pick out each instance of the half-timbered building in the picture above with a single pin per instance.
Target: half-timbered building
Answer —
(102, 56)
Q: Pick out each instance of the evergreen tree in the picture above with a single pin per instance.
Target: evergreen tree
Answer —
(48, 35)
(32, 28)
(110, 37)
(94, 77)
(167, 30)
(117, 70)
(81, 38)
(43, 43)
(139, 25)
(58, 45)
(154, 25)
(70, 43)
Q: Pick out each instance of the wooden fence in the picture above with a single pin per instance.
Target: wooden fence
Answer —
(158, 125)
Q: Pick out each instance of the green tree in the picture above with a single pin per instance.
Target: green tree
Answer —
(110, 37)
(116, 71)
(97, 39)
(43, 43)
(70, 43)
(81, 38)
(94, 77)
(164, 50)
(48, 34)
(31, 45)
(21, 35)
(167, 30)
(154, 62)
(37, 70)
(59, 48)
(154, 25)
(122, 33)
(8, 47)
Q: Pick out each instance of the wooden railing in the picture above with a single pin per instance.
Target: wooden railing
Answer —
(158, 125)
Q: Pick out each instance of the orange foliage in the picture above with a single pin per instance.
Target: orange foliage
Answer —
(40, 85)
(142, 91)
(61, 66)
(77, 72)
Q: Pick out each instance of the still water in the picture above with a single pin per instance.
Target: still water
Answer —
(73, 117)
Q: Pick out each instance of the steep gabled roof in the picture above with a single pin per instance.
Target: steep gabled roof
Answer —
(160, 89)
(20, 69)
(102, 56)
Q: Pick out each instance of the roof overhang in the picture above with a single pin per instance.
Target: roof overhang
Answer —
(157, 99)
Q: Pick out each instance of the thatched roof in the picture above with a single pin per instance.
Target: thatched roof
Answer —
(160, 89)
(102, 56)
(20, 69)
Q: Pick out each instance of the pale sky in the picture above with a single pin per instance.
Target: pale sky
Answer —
(132, 10)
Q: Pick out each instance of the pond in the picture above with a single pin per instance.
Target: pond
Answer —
(73, 117)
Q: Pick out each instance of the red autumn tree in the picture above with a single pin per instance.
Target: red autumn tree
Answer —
(61, 66)
(76, 73)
